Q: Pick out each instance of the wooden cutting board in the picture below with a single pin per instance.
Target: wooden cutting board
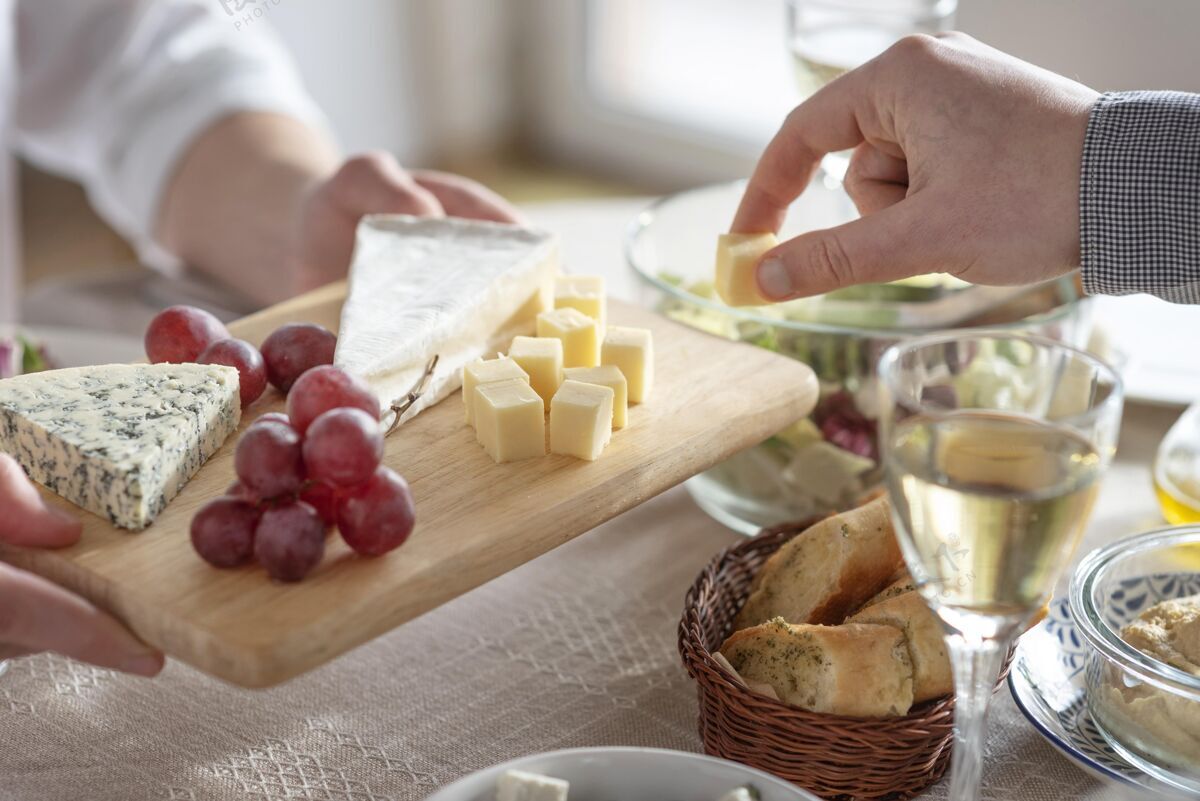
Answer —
(475, 519)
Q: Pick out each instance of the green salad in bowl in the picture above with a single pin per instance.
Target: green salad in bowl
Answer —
(20, 354)
(826, 462)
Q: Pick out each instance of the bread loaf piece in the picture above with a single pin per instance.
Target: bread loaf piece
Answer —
(901, 582)
(925, 637)
(828, 571)
(856, 669)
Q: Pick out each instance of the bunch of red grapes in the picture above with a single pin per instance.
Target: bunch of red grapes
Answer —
(299, 473)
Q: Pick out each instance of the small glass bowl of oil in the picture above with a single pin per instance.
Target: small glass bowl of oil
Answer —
(1177, 470)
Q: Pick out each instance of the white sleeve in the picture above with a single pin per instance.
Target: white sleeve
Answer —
(112, 93)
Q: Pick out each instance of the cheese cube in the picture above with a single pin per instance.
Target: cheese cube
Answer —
(737, 264)
(583, 292)
(520, 785)
(486, 372)
(610, 376)
(631, 350)
(542, 360)
(579, 334)
(739, 794)
(581, 419)
(510, 420)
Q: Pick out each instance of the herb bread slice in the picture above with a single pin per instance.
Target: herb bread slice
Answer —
(828, 571)
(856, 669)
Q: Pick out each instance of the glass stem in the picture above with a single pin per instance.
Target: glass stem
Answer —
(976, 664)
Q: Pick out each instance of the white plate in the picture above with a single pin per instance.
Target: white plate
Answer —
(630, 774)
(1158, 341)
(1048, 684)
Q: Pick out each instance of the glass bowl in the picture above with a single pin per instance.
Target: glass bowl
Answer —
(1147, 710)
(824, 463)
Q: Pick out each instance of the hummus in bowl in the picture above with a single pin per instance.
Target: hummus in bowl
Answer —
(1162, 721)
(1137, 604)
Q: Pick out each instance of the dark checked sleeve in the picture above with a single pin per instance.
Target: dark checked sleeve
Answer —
(1139, 196)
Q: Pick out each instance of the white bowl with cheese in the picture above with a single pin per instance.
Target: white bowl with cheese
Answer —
(607, 774)
(1136, 602)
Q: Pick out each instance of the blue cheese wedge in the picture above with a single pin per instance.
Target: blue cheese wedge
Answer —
(520, 785)
(457, 289)
(120, 440)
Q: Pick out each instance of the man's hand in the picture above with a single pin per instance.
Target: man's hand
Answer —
(36, 615)
(374, 183)
(966, 161)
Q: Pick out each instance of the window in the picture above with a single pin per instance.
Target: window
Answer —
(681, 92)
(712, 67)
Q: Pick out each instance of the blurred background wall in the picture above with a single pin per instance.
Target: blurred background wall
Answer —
(552, 99)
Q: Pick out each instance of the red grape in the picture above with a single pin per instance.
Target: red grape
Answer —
(322, 497)
(343, 447)
(324, 388)
(377, 516)
(181, 333)
(294, 348)
(290, 541)
(223, 531)
(269, 460)
(240, 354)
(276, 417)
(238, 490)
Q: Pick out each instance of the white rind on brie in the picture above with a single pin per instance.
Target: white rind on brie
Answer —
(458, 289)
(119, 440)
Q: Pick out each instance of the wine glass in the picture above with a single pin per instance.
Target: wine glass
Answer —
(993, 445)
(829, 37)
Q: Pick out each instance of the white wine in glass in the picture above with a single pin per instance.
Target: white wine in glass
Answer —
(995, 505)
(830, 37)
(822, 54)
(993, 446)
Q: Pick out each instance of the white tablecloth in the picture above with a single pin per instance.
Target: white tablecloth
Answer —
(576, 648)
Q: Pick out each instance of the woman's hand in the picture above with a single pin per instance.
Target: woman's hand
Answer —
(36, 615)
(375, 183)
(266, 204)
(966, 161)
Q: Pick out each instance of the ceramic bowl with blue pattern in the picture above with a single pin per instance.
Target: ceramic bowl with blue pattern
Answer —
(1145, 710)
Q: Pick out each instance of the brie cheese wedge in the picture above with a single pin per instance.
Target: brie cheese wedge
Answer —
(457, 289)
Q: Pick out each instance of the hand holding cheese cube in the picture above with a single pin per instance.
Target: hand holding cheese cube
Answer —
(737, 264)
(606, 376)
(583, 292)
(581, 419)
(579, 334)
(510, 420)
(542, 359)
(487, 372)
(632, 351)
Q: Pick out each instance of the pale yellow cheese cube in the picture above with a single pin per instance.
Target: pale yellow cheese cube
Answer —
(487, 372)
(737, 263)
(542, 359)
(632, 351)
(581, 419)
(579, 334)
(610, 376)
(583, 292)
(510, 420)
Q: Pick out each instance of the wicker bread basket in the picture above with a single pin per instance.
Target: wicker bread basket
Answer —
(833, 756)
